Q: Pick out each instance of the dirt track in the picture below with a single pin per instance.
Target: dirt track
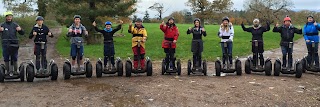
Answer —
(167, 90)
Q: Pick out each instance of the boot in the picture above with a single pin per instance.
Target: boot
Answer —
(15, 67)
(7, 67)
(113, 68)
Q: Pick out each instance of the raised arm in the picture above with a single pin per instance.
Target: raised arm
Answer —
(244, 28)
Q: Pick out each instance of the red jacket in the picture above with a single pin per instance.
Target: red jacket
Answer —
(170, 34)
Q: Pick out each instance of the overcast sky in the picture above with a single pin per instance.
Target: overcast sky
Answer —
(176, 5)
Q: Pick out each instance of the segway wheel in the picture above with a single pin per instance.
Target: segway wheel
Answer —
(179, 67)
(2, 70)
(88, 70)
(120, 68)
(149, 68)
(189, 67)
(204, 67)
(238, 67)
(268, 68)
(304, 65)
(128, 69)
(66, 71)
(54, 72)
(277, 68)
(163, 67)
(299, 70)
(247, 67)
(99, 69)
(218, 68)
(21, 72)
(30, 73)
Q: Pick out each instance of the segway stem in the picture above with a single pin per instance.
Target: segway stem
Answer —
(312, 53)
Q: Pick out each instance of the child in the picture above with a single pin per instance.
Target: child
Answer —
(311, 32)
(108, 42)
(40, 31)
(76, 30)
(139, 33)
(226, 33)
(171, 34)
(197, 43)
(257, 32)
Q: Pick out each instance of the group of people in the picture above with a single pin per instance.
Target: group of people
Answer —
(226, 32)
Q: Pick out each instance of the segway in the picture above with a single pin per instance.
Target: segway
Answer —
(249, 66)
(198, 68)
(32, 73)
(100, 69)
(227, 68)
(306, 66)
(87, 67)
(172, 68)
(297, 69)
(9, 74)
(148, 65)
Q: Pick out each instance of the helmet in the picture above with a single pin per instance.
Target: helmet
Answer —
(196, 19)
(256, 20)
(76, 16)
(7, 13)
(287, 18)
(138, 20)
(226, 18)
(171, 18)
(310, 16)
(108, 23)
(39, 18)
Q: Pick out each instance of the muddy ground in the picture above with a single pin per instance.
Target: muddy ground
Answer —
(169, 90)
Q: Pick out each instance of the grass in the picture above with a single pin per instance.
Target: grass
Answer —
(212, 49)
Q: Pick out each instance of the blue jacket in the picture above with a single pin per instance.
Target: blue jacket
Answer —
(311, 32)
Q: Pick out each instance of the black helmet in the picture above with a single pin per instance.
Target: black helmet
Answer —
(39, 18)
(196, 19)
(171, 18)
(226, 18)
(310, 16)
(76, 16)
(138, 20)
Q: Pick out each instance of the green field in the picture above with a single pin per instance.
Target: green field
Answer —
(212, 49)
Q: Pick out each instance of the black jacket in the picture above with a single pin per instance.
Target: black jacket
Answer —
(287, 34)
(42, 33)
(108, 36)
(256, 33)
(197, 34)
(9, 35)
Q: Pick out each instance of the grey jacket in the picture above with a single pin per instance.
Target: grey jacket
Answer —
(9, 35)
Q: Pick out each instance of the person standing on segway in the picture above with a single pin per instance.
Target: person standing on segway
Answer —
(257, 32)
(287, 31)
(311, 32)
(171, 34)
(41, 32)
(10, 43)
(139, 33)
(76, 30)
(197, 43)
(226, 33)
(108, 33)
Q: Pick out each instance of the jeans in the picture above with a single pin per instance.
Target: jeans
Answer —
(315, 54)
(286, 51)
(227, 52)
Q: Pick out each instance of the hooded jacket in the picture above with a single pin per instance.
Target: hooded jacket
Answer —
(137, 34)
(171, 33)
(257, 33)
(311, 32)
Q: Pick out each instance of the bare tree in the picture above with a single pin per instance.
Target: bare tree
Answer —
(205, 9)
(268, 10)
(159, 8)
